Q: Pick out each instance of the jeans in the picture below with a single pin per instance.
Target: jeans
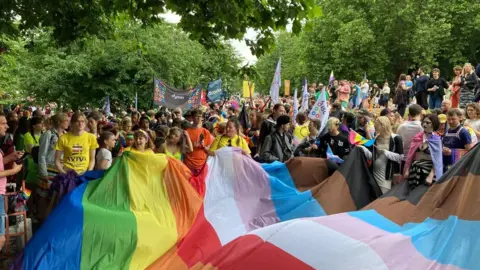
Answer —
(3, 216)
(422, 99)
(435, 102)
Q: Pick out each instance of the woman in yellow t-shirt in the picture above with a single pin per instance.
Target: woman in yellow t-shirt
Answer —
(141, 143)
(175, 143)
(232, 138)
(77, 147)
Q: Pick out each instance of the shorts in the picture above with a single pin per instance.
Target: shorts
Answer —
(3, 215)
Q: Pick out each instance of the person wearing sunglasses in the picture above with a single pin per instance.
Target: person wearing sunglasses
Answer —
(231, 138)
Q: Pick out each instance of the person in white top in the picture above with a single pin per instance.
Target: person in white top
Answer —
(384, 95)
(409, 129)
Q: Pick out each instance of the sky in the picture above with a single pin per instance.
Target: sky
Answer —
(240, 46)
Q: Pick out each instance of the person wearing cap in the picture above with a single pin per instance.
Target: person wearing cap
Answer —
(363, 124)
(442, 118)
(278, 145)
(268, 125)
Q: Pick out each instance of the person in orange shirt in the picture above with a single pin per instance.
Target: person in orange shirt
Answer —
(201, 140)
(197, 159)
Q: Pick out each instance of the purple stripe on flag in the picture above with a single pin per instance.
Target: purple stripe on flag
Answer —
(396, 249)
(253, 193)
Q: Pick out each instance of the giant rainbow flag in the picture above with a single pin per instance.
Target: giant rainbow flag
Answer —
(144, 214)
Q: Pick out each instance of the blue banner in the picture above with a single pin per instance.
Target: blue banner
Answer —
(214, 91)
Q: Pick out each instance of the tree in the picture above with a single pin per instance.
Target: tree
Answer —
(207, 21)
(291, 49)
(84, 73)
(385, 38)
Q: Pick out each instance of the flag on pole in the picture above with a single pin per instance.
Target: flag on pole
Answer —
(357, 139)
(106, 106)
(295, 106)
(244, 121)
(287, 87)
(276, 83)
(358, 100)
(320, 110)
(333, 157)
(305, 96)
(331, 79)
(136, 101)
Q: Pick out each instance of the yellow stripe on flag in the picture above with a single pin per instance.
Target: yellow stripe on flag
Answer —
(149, 202)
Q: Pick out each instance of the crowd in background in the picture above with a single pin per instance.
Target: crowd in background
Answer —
(443, 119)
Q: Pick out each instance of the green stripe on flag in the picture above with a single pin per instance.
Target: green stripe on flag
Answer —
(109, 228)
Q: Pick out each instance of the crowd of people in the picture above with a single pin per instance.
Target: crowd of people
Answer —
(443, 122)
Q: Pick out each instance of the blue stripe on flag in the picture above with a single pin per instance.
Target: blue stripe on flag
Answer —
(55, 231)
(372, 217)
(451, 241)
(288, 201)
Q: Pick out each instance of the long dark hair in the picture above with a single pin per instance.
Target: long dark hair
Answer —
(23, 125)
(33, 122)
(103, 137)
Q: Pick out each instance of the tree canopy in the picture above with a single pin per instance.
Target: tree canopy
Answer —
(207, 21)
(84, 73)
(381, 38)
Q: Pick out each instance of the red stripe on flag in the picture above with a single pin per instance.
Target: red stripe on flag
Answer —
(251, 252)
(201, 241)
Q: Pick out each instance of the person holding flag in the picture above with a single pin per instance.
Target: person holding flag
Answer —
(386, 154)
(337, 141)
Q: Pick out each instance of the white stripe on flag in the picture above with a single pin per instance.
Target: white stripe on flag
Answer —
(219, 204)
(320, 247)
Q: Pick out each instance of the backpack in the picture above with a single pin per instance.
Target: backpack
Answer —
(36, 149)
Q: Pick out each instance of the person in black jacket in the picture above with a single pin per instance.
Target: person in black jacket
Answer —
(278, 145)
(268, 125)
(420, 89)
(436, 89)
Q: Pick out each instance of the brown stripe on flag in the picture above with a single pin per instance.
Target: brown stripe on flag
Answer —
(393, 208)
(307, 172)
(459, 196)
(334, 195)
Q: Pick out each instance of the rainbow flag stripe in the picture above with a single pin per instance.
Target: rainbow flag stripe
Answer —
(357, 139)
(126, 220)
(144, 214)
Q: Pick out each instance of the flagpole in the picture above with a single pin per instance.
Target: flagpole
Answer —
(136, 101)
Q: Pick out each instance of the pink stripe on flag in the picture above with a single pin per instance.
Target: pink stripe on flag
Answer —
(252, 193)
(396, 249)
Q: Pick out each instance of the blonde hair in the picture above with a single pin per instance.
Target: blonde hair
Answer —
(384, 122)
(333, 122)
(468, 65)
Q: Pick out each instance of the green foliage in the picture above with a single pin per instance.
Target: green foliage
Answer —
(383, 38)
(291, 49)
(206, 20)
(84, 73)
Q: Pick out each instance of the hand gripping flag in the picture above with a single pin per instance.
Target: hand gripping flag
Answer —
(332, 156)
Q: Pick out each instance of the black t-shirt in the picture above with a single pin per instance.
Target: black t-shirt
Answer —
(339, 144)
(440, 83)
